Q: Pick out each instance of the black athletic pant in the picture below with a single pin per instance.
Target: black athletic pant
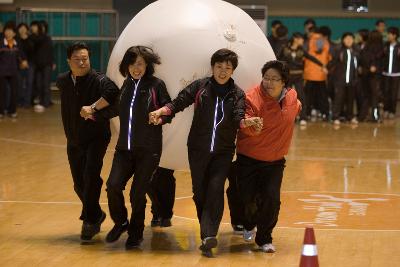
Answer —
(259, 186)
(86, 161)
(316, 97)
(12, 81)
(344, 97)
(162, 193)
(297, 83)
(209, 172)
(141, 163)
(391, 89)
(236, 207)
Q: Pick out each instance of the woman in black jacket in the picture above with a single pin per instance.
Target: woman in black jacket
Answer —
(218, 114)
(139, 144)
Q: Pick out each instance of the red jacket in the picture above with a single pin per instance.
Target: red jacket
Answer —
(274, 140)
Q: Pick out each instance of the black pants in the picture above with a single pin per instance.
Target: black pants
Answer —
(391, 89)
(12, 81)
(42, 85)
(86, 161)
(344, 100)
(236, 207)
(372, 94)
(316, 97)
(259, 186)
(141, 163)
(297, 83)
(162, 193)
(209, 172)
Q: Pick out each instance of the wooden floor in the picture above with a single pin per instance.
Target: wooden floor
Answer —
(344, 181)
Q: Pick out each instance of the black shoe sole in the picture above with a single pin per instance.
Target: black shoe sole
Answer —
(133, 245)
(206, 248)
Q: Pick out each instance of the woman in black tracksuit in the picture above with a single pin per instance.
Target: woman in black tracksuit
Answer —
(345, 66)
(219, 110)
(139, 144)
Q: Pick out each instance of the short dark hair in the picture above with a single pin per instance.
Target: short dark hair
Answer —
(225, 55)
(325, 31)
(379, 21)
(149, 56)
(280, 66)
(10, 25)
(309, 21)
(281, 31)
(276, 22)
(345, 34)
(393, 30)
(23, 24)
(77, 46)
(363, 34)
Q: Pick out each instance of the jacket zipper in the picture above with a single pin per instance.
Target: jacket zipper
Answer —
(130, 114)
(215, 120)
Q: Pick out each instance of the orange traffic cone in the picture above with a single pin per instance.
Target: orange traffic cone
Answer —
(309, 255)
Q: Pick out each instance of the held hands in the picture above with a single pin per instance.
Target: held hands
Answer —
(155, 117)
(255, 122)
(87, 112)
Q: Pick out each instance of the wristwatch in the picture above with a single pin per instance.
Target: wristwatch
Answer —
(93, 107)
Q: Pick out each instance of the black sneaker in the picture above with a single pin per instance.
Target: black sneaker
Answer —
(90, 230)
(132, 243)
(207, 244)
(237, 229)
(156, 221)
(165, 222)
(116, 232)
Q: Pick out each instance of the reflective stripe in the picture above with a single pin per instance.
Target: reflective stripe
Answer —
(130, 114)
(310, 250)
(214, 127)
(391, 59)
(348, 66)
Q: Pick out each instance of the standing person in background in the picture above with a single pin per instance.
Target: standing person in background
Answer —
(308, 24)
(294, 55)
(391, 72)
(25, 74)
(261, 152)
(11, 59)
(87, 137)
(162, 195)
(361, 41)
(371, 68)
(380, 26)
(273, 38)
(333, 47)
(281, 33)
(315, 77)
(345, 77)
(44, 64)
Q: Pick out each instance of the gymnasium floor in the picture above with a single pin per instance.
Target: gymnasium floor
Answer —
(345, 181)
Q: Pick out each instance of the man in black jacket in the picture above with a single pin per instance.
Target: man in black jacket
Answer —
(87, 137)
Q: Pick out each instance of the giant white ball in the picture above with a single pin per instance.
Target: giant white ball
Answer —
(185, 33)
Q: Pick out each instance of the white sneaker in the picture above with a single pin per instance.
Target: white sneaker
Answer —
(268, 248)
(354, 121)
(314, 113)
(39, 108)
(385, 114)
(336, 122)
(248, 235)
(303, 122)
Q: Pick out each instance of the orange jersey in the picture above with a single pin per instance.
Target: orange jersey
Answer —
(318, 48)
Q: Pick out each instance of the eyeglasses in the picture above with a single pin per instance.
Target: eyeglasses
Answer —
(271, 79)
(79, 60)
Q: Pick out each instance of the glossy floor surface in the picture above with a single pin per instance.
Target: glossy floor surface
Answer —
(345, 181)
